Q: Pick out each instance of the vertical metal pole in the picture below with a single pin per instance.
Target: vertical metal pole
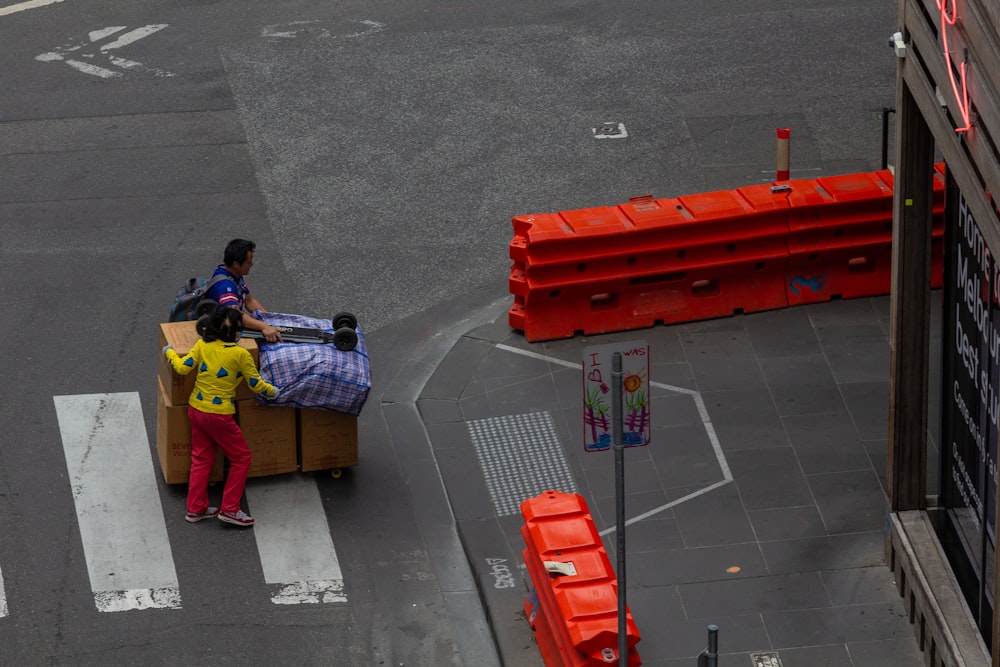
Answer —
(619, 447)
(710, 656)
(885, 137)
(713, 646)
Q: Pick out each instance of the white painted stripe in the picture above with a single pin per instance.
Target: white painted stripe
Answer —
(131, 64)
(706, 422)
(21, 6)
(98, 35)
(673, 503)
(293, 540)
(3, 597)
(572, 364)
(87, 68)
(133, 35)
(540, 357)
(117, 502)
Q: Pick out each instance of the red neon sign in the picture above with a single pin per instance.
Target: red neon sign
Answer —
(949, 19)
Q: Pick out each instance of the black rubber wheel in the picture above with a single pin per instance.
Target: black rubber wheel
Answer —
(345, 319)
(205, 307)
(345, 339)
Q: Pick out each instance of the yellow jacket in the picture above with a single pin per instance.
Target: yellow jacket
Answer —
(221, 367)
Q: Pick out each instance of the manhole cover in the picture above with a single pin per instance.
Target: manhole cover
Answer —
(765, 659)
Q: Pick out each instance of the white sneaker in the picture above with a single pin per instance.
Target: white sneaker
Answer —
(209, 513)
(239, 518)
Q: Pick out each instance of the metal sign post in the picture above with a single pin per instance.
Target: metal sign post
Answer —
(616, 421)
(623, 423)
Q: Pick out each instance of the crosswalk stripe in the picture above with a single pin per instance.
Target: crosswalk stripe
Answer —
(117, 502)
(293, 540)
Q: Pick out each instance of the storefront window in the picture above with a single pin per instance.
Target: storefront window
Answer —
(970, 406)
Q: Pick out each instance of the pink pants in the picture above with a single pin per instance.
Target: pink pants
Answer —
(209, 431)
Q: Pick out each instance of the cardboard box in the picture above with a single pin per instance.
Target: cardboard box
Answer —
(173, 441)
(183, 336)
(270, 432)
(326, 439)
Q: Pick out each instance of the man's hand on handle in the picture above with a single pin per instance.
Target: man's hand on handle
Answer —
(271, 334)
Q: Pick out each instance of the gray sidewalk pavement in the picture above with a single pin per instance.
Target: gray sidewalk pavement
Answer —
(759, 505)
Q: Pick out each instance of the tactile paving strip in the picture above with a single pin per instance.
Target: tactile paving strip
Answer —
(521, 457)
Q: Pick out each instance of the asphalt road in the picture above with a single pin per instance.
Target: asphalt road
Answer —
(376, 153)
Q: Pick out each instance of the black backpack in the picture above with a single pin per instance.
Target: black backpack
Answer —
(190, 295)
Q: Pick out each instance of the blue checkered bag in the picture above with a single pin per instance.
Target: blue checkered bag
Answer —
(315, 375)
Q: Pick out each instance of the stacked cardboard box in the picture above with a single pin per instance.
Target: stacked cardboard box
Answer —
(270, 432)
(282, 439)
(182, 336)
(173, 441)
(327, 440)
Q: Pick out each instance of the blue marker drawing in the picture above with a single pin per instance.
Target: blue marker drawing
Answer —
(815, 283)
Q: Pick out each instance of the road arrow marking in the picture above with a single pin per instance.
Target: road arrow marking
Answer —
(299, 28)
(80, 54)
(133, 36)
(282, 30)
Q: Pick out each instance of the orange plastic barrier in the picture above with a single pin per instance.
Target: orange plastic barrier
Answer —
(707, 255)
(840, 237)
(573, 613)
(630, 266)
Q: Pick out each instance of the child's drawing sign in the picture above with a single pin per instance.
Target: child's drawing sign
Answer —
(597, 393)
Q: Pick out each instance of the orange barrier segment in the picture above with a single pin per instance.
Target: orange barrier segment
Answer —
(839, 239)
(648, 261)
(573, 611)
(707, 255)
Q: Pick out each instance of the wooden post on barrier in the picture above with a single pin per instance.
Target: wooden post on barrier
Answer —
(783, 136)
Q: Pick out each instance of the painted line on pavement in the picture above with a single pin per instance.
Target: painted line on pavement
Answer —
(293, 540)
(706, 422)
(117, 502)
(3, 597)
(133, 36)
(84, 52)
(22, 6)
(94, 70)
(672, 503)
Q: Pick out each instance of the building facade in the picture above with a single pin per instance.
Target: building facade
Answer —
(942, 524)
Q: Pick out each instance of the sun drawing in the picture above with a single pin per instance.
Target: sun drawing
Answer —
(633, 380)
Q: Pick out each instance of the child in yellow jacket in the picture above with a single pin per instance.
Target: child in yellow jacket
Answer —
(221, 365)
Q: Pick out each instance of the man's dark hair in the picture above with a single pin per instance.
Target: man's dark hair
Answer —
(223, 323)
(237, 251)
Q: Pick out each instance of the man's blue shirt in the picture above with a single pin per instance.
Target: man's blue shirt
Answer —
(230, 292)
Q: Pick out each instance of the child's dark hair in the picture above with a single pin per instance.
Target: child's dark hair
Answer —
(223, 323)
